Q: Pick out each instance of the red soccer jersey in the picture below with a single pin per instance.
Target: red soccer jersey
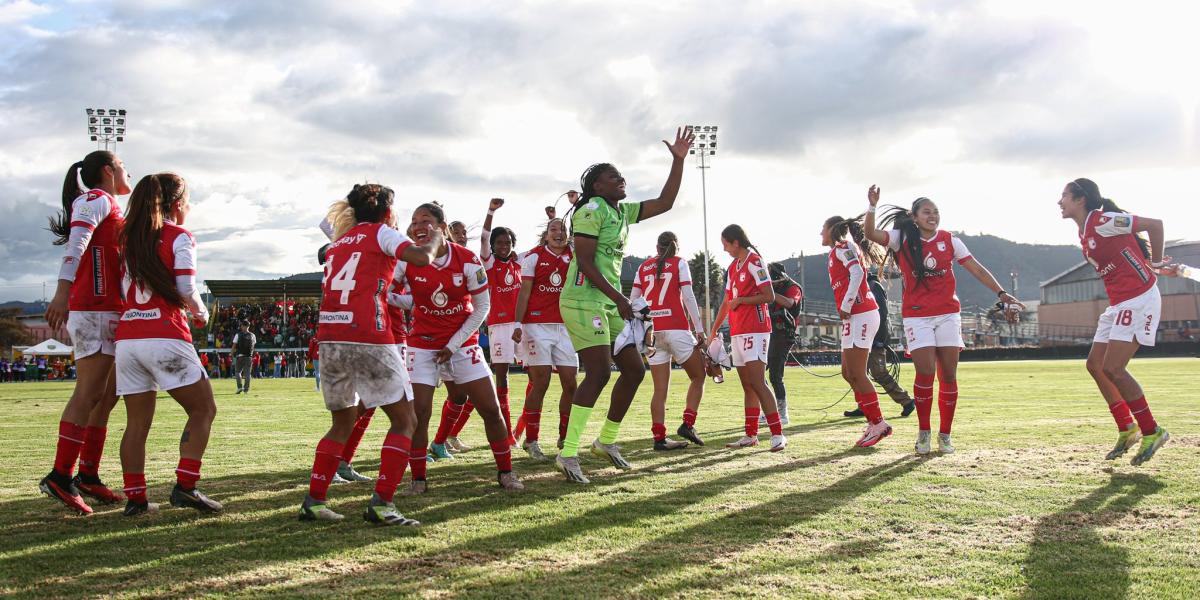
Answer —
(937, 294)
(399, 321)
(662, 292)
(314, 349)
(147, 315)
(358, 271)
(547, 271)
(742, 279)
(1111, 246)
(100, 270)
(504, 285)
(841, 258)
(442, 293)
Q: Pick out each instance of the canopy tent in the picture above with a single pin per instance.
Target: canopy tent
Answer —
(50, 347)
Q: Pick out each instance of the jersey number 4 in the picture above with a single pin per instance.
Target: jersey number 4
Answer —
(344, 280)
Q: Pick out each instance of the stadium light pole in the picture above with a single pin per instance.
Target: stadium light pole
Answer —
(106, 126)
(704, 148)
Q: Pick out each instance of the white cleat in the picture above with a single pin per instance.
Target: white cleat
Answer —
(923, 443)
(534, 451)
(456, 445)
(509, 482)
(745, 442)
(778, 442)
(570, 468)
(944, 445)
(612, 452)
(873, 433)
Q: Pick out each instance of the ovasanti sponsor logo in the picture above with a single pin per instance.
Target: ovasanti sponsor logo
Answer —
(439, 297)
(550, 289)
(930, 261)
(556, 279)
(141, 315)
(336, 317)
(508, 278)
(444, 312)
(1106, 269)
(350, 239)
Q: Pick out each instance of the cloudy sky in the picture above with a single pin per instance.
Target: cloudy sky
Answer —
(271, 110)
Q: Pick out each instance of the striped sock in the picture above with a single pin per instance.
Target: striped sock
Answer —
(467, 409)
(752, 421)
(325, 464)
(187, 473)
(869, 403)
(947, 400)
(578, 420)
(659, 431)
(502, 396)
(502, 452)
(135, 487)
(356, 435)
(923, 396)
(417, 461)
(92, 450)
(533, 425)
(1141, 412)
(450, 414)
(773, 423)
(70, 440)
(393, 459)
(689, 417)
(1121, 414)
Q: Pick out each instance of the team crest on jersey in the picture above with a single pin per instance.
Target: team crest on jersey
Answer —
(458, 279)
(741, 276)
(941, 246)
(1102, 221)
(565, 258)
(597, 322)
(555, 279)
(1091, 242)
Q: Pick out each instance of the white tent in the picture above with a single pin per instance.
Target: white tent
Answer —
(50, 347)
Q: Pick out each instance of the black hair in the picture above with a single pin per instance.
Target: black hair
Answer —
(434, 209)
(735, 233)
(1092, 200)
(499, 231)
(587, 183)
(321, 252)
(670, 245)
(910, 236)
(370, 202)
(839, 228)
(91, 171)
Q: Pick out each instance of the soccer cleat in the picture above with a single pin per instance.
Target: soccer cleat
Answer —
(778, 442)
(133, 509)
(688, 433)
(238, 392)
(908, 408)
(570, 468)
(92, 487)
(317, 510)
(944, 445)
(1150, 444)
(923, 443)
(612, 452)
(508, 480)
(418, 486)
(666, 444)
(560, 443)
(346, 473)
(338, 480)
(873, 434)
(194, 498)
(745, 442)
(60, 488)
(1125, 440)
(850, 414)
(385, 513)
(439, 452)
(456, 444)
(534, 451)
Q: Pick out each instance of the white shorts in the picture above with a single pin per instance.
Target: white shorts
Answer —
(1136, 318)
(548, 344)
(749, 347)
(92, 332)
(675, 344)
(859, 331)
(942, 331)
(371, 373)
(502, 348)
(156, 364)
(465, 365)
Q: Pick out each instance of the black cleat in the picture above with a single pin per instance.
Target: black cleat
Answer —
(908, 408)
(194, 498)
(92, 487)
(688, 433)
(667, 444)
(60, 488)
(856, 413)
(133, 509)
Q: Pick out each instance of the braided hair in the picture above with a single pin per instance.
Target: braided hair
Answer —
(587, 183)
(1092, 200)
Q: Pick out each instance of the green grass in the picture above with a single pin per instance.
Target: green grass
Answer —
(1026, 508)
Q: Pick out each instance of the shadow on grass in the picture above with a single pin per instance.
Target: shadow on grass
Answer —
(1068, 558)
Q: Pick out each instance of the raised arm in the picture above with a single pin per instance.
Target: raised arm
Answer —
(875, 235)
(666, 198)
(485, 236)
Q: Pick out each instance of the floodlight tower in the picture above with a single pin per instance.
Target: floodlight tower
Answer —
(106, 126)
(704, 148)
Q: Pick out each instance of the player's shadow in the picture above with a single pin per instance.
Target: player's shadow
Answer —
(1069, 559)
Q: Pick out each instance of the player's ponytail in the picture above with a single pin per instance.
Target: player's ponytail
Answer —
(668, 247)
(372, 203)
(150, 204)
(1092, 200)
(910, 236)
(840, 228)
(89, 172)
(735, 233)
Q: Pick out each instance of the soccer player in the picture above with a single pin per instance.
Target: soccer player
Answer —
(450, 301)
(88, 302)
(925, 256)
(860, 315)
(748, 291)
(154, 342)
(540, 329)
(1127, 265)
(665, 282)
(359, 361)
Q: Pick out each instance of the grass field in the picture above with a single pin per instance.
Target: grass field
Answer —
(1027, 507)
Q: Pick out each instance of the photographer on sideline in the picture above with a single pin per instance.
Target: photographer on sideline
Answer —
(784, 312)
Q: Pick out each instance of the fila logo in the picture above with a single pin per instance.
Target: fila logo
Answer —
(421, 279)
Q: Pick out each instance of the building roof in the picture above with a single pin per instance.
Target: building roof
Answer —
(264, 288)
(1186, 257)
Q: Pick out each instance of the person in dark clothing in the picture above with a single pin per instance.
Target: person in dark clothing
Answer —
(783, 311)
(877, 362)
(243, 348)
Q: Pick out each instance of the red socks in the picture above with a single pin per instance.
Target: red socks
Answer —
(393, 459)
(417, 461)
(869, 404)
(773, 423)
(752, 421)
(502, 452)
(187, 473)
(923, 396)
(329, 454)
(689, 417)
(450, 414)
(93, 449)
(462, 418)
(533, 425)
(356, 435)
(1120, 413)
(1141, 412)
(70, 440)
(502, 396)
(947, 399)
(659, 430)
(563, 419)
(135, 487)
